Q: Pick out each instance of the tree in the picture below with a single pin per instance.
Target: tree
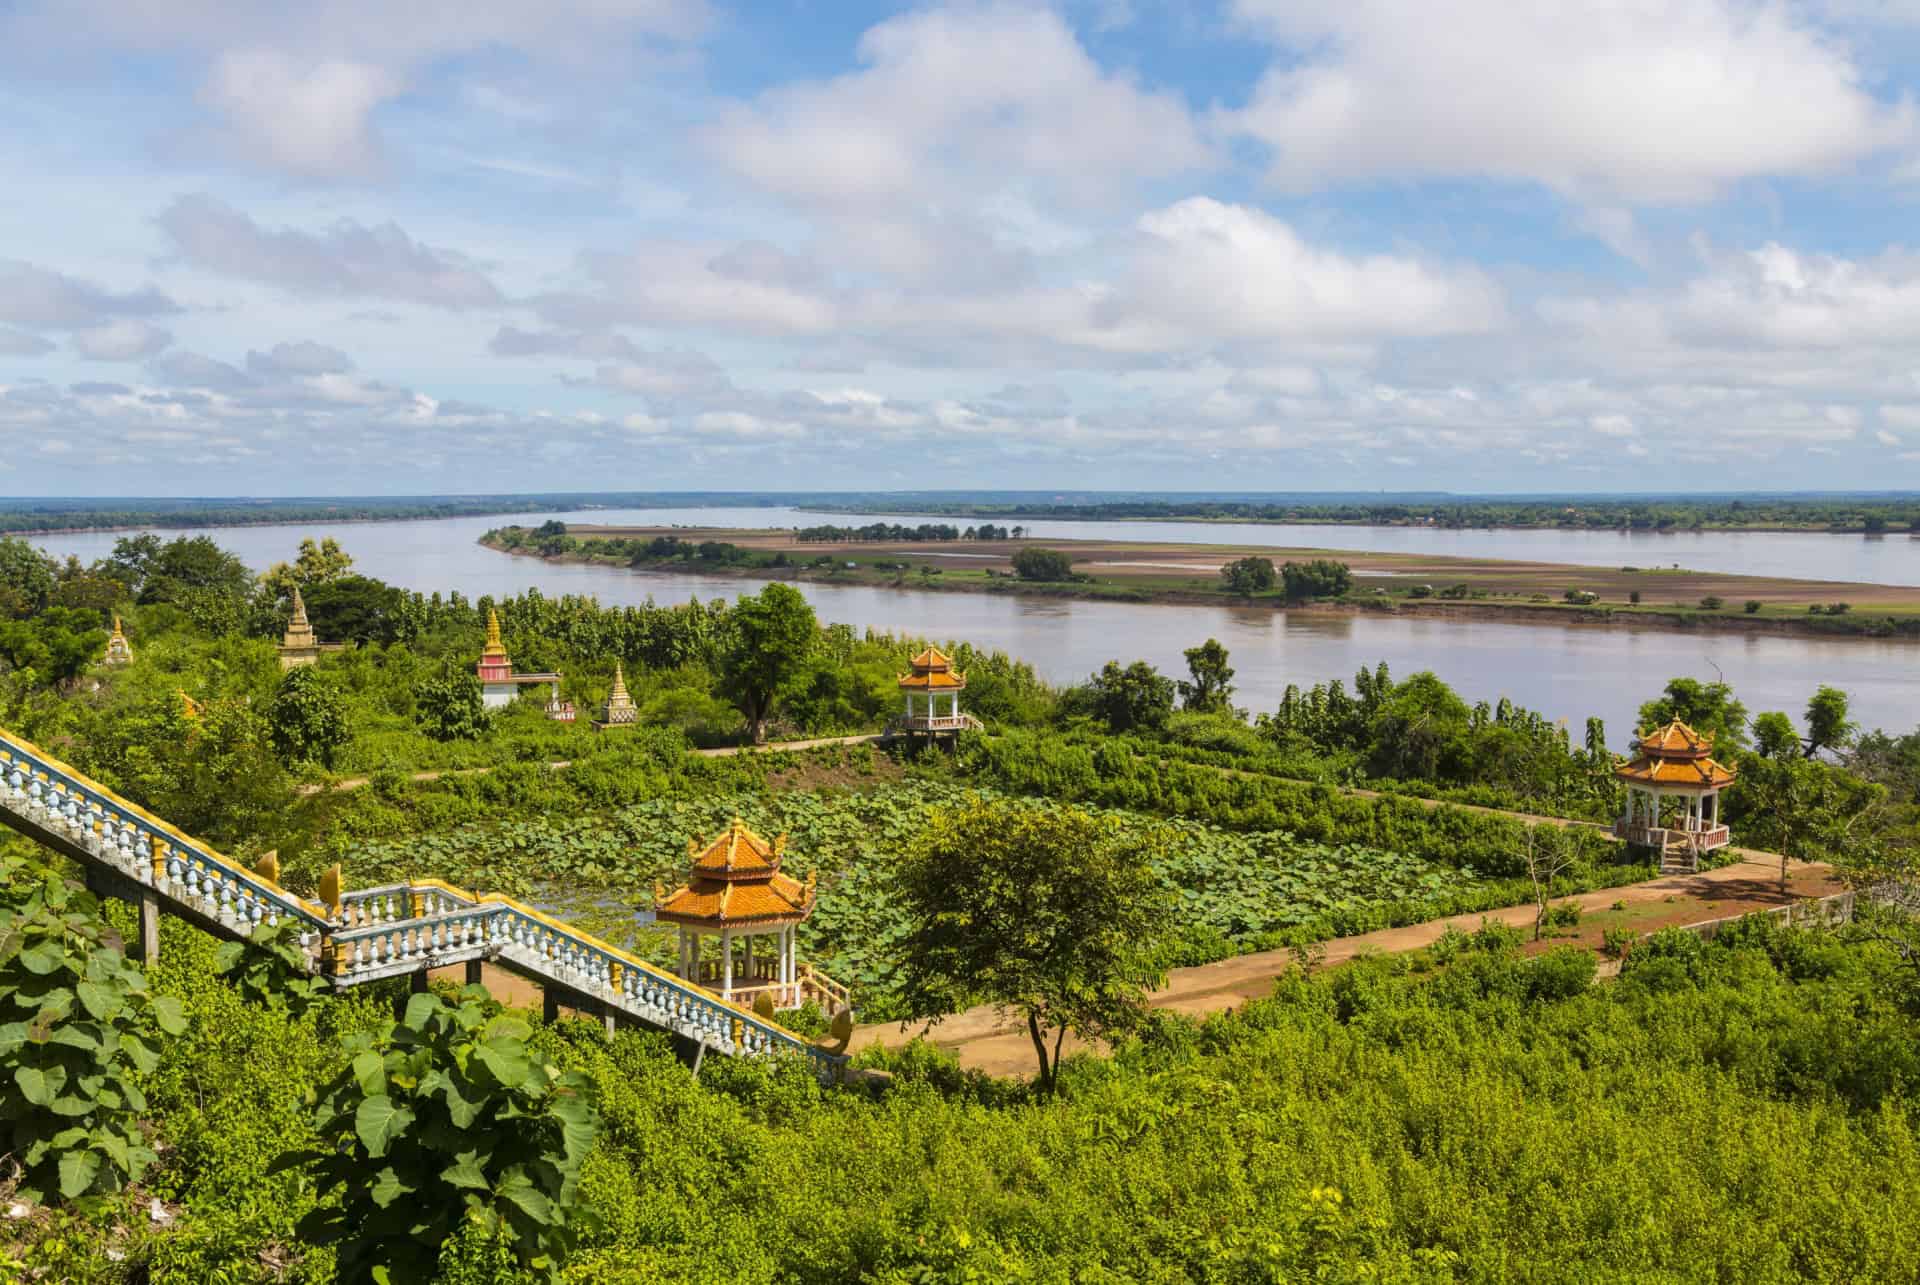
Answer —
(1052, 914)
(316, 565)
(186, 564)
(442, 1118)
(1827, 725)
(773, 638)
(57, 644)
(1248, 576)
(133, 560)
(1320, 578)
(1211, 690)
(212, 772)
(1804, 809)
(308, 718)
(1773, 735)
(1421, 731)
(355, 609)
(26, 578)
(1035, 563)
(451, 708)
(1137, 698)
(1547, 858)
(1705, 707)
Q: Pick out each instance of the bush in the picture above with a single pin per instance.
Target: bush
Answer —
(76, 1025)
(1561, 973)
(442, 1119)
(1318, 578)
(1564, 914)
(1753, 606)
(1712, 602)
(1034, 563)
(1581, 597)
(1420, 591)
(1616, 942)
(1633, 596)
(1839, 608)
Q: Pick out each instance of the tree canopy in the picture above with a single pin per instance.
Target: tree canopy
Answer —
(1035, 563)
(773, 638)
(1046, 913)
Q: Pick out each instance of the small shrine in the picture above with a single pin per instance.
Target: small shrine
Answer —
(299, 646)
(1673, 796)
(119, 650)
(499, 685)
(735, 895)
(560, 711)
(619, 711)
(932, 692)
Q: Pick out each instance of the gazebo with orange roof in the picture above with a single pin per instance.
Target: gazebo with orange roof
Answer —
(1675, 763)
(736, 892)
(932, 684)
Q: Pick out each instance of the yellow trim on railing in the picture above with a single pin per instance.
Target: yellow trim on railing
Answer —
(28, 748)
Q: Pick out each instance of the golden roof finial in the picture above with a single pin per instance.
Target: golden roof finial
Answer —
(494, 646)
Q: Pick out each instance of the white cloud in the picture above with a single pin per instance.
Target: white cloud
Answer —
(39, 297)
(348, 259)
(951, 95)
(1907, 417)
(304, 117)
(303, 358)
(18, 343)
(127, 339)
(1885, 438)
(1648, 100)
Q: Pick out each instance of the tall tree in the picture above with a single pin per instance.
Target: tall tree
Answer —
(1773, 735)
(1804, 809)
(1137, 698)
(773, 636)
(1048, 914)
(308, 718)
(1248, 576)
(1705, 707)
(26, 578)
(317, 564)
(1035, 563)
(1211, 688)
(1828, 727)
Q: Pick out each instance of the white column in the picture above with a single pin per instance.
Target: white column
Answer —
(753, 978)
(726, 956)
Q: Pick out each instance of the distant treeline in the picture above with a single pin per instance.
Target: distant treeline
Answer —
(1871, 515)
(23, 515)
(890, 531)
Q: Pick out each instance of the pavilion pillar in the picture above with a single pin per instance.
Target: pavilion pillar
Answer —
(726, 957)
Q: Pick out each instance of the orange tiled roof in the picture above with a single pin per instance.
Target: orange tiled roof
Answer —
(932, 658)
(1700, 773)
(737, 853)
(1674, 740)
(934, 680)
(721, 902)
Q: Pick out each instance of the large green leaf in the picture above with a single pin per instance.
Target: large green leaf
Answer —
(34, 1085)
(101, 1002)
(506, 1061)
(43, 958)
(170, 1013)
(77, 1172)
(377, 1122)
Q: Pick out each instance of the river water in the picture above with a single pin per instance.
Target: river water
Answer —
(1567, 672)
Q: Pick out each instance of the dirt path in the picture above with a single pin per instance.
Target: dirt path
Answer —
(434, 774)
(986, 1042)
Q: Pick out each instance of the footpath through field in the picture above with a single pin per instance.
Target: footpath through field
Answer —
(985, 1041)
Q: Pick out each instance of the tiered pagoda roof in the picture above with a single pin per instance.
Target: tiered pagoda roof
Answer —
(933, 671)
(735, 880)
(1676, 757)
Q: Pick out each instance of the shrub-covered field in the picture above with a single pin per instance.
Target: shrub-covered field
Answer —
(1737, 1111)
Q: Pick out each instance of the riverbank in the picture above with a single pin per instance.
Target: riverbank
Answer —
(1421, 586)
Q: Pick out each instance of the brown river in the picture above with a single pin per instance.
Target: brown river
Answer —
(1564, 672)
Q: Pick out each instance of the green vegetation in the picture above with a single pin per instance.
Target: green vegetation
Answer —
(1034, 563)
(1739, 1109)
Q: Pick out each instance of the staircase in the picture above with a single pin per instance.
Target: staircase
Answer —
(370, 934)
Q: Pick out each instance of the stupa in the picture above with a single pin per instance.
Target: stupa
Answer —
(620, 711)
(498, 683)
(299, 646)
(119, 650)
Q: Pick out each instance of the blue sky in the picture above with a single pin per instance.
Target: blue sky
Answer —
(646, 244)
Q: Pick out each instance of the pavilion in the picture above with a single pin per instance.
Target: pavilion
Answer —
(932, 693)
(1673, 796)
(735, 893)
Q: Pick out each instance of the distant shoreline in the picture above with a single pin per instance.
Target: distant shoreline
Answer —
(1902, 625)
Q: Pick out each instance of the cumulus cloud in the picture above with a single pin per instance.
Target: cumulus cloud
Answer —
(303, 358)
(309, 118)
(127, 339)
(1655, 100)
(295, 88)
(18, 343)
(40, 297)
(348, 258)
(950, 94)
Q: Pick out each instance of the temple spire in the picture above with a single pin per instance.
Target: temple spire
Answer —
(494, 646)
(119, 650)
